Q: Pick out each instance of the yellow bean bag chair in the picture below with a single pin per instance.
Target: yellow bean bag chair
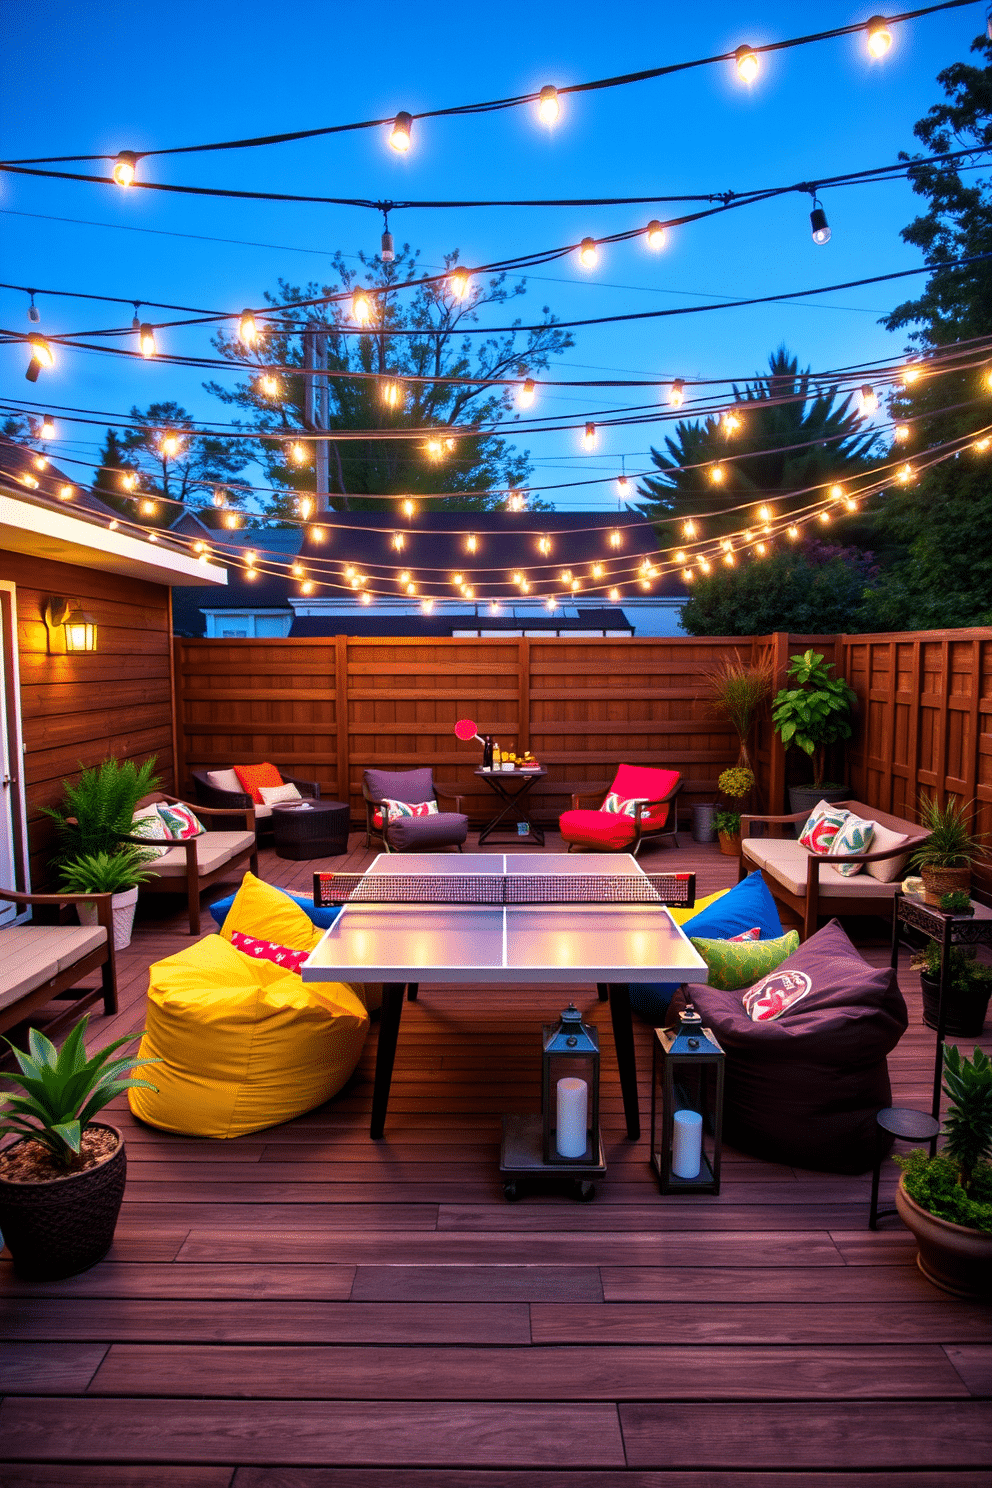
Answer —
(244, 1044)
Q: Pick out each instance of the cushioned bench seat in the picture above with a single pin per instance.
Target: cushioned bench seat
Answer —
(213, 850)
(39, 963)
(786, 861)
(31, 955)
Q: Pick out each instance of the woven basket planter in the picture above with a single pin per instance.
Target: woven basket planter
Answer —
(63, 1225)
(940, 881)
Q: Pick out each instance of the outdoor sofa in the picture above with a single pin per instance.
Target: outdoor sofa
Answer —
(199, 862)
(41, 962)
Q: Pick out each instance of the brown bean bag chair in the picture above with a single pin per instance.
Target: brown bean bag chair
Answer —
(804, 1088)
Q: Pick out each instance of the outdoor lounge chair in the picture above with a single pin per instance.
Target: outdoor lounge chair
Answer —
(209, 793)
(411, 833)
(41, 962)
(194, 865)
(652, 797)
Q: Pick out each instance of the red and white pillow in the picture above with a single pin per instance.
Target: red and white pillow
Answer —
(268, 950)
(753, 934)
(617, 806)
(395, 809)
(180, 821)
(822, 826)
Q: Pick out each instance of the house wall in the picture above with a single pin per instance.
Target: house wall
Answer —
(77, 709)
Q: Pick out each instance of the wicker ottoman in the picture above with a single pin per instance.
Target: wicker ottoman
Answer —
(319, 830)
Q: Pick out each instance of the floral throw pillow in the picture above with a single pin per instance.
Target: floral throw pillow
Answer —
(267, 950)
(855, 836)
(739, 963)
(617, 806)
(180, 823)
(149, 824)
(396, 809)
(753, 934)
(822, 826)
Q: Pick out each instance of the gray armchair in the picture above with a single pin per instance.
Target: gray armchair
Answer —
(411, 833)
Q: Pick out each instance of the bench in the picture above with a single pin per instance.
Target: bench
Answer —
(42, 962)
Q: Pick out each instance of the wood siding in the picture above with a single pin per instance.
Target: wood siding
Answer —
(78, 709)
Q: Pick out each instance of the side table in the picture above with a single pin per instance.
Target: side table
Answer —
(946, 930)
(511, 786)
(317, 830)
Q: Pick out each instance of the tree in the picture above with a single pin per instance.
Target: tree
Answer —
(816, 588)
(413, 334)
(171, 466)
(781, 447)
(944, 522)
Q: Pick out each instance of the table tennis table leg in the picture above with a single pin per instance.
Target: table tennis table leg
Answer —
(623, 1039)
(389, 1027)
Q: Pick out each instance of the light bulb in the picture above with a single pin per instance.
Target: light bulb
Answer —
(597, 571)
(304, 506)
(676, 393)
(548, 107)
(399, 541)
(399, 135)
(251, 573)
(409, 507)
(704, 564)
(819, 226)
(655, 235)
(731, 423)
(614, 595)
(435, 449)
(906, 474)
(589, 437)
(764, 513)
(747, 64)
(392, 394)
(47, 430)
(411, 588)
(459, 282)
(317, 534)
(516, 578)
(793, 531)
(879, 38)
(34, 314)
(169, 445)
(550, 603)
(113, 526)
(516, 501)
(623, 485)
(717, 474)
(306, 587)
(851, 504)
(40, 462)
(988, 379)
(365, 598)
(124, 167)
(689, 529)
(297, 570)
(468, 591)
(526, 393)
(760, 549)
(458, 580)
(386, 251)
(147, 508)
(524, 587)
(825, 518)
(361, 307)
(566, 576)
(981, 445)
(588, 253)
(836, 493)
(269, 386)
(426, 606)
(729, 559)
(910, 375)
(727, 545)
(688, 575)
(247, 328)
(66, 493)
(146, 340)
(544, 545)
(867, 400)
(129, 482)
(298, 452)
(403, 578)
(472, 543)
(232, 520)
(449, 444)
(680, 556)
(29, 480)
(41, 356)
(615, 538)
(747, 534)
(901, 433)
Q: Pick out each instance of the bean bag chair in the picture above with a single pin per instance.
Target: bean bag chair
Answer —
(804, 1084)
(244, 1043)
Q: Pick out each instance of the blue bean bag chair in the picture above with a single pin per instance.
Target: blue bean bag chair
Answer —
(747, 904)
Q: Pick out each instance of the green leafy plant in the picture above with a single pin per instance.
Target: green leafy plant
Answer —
(738, 689)
(728, 822)
(64, 1091)
(815, 711)
(96, 810)
(104, 873)
(956, 902)
(966, 973)
(736, 782)
(957, 1183)
(951, 843)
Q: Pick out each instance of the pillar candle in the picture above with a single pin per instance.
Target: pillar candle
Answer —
(572, 1116)
(687, 1144)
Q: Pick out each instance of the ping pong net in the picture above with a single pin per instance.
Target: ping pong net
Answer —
(663, 890)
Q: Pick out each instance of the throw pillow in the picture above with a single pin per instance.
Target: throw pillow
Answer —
(148, 823)
(739, 963)
(225, 780)
(395, 809)
(267, 950)
(888, 869)
(180, 823)
(279, 795)
(822, 826)
(259, 909)
(855, 836)
(753, 934)
(617, 806)
(252, 777)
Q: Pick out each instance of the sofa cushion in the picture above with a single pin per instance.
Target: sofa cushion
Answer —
(804, 1088)
(737, 963)
(278, 795)
(225, 780)
(785, 861)
(822, 826)
(213, 850)
(607, 829)
(31, 955)
(252, 777)
(400, 785)
(888, 869)
(268, 950)
(395, 809)
(181, 822)
(855, 836)
(645, 783)
(443, 829)
(149, 825)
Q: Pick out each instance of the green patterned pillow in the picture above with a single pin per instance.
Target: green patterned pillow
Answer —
(855, 836)
(740, 963)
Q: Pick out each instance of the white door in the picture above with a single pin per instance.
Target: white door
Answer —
(12, 813)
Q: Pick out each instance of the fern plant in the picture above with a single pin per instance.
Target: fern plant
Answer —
(104, 873)
(63, 1090)
(96, 811)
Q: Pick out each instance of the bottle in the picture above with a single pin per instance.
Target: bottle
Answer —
(487, 752)
(497, 757)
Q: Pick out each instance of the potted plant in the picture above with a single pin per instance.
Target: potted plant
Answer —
(62, 1181)
(115, 873)
(738, 690)
(735, 784)
(96, 811)
(969, 986)
(812, 714)
(947, 1200)
(946, 858)
(956, 902)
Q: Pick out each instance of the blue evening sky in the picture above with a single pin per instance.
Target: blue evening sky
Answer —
(104, 76)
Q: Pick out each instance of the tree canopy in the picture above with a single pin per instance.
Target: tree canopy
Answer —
(172, 467)
(816, 588)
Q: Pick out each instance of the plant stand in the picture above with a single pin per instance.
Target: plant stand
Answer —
(946, 930)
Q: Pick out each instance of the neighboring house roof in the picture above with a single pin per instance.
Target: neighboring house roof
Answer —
(20, 464)
(363, 624)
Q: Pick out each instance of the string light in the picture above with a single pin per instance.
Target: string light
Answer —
(269, 385)
(615, 595)
(298, 452)
(819, 226)
(146, 340)
(233, 521)
(825, 518)
(550, 603)
(588, 253)
(426, 606)
(867, 400)
(544, 545)
(304, 505)
(526, 393)
(981, 445)
(901, 433)
(247, 329)
(680, 556)
(689, 529)
(47, 430)
(988, 379)
(747, 64)
(435, 449)
(910, 375)
(615, 538)
(727, 545)
(836, 493)
(468, 591)
(129, 482)
(124, 167)
(688, 575)
(729, 559)
(399, 541)
(40, 462)
(676, 393)
(717, 474)
(597, 571)
(704, 565)
(517, 577)
(589, 437)
(66, 493)
(516, 501)
(307, 586)
(317, 534)
(654, 235)
(765, 513)
(34, 314)
(41, 356)
(459, 282)
(399, 136)
(392, 394)
(386, 250)
(403, 578)
(29, 480)
(566, 576)
(153, 537)
(113, 526)
(879, 38)
(169, 445)
(458, 580)
(297, 570)
(148, 508)
(361, 307)
(365, 598)
(251, 574)
(906, 474)
(793, 531)
(548, 107)
(851, 504)
(524, 587)
(760, 549)
(731, 423)
(409, 507)
(472, 543)
(623, 485)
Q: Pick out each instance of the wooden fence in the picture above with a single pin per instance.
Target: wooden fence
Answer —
(331, 708)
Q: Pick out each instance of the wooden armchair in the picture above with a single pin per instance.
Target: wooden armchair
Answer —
(41, 962)
(194, 865)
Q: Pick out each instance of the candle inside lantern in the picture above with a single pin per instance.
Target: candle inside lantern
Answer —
(572, 1118)
(687, 1144)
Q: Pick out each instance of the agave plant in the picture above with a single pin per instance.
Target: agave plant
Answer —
(64, 1091)
(951, 843)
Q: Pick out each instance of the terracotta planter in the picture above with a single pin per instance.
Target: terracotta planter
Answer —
(63, 1225)
(940, 881)
(964, 1012)
(730, 846)
(953, 1257)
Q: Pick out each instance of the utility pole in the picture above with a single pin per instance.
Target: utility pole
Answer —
(316, 408)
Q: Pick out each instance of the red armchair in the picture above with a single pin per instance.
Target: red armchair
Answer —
(655, 794)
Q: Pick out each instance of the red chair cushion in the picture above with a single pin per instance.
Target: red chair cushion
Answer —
(641, 783)
(597, 829)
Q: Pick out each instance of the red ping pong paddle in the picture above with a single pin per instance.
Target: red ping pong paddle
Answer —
(465, 729)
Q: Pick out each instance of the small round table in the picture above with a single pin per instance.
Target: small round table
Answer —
(317, 830)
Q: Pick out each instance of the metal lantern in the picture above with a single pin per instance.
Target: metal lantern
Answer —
(570, 1092)
(687, 1078)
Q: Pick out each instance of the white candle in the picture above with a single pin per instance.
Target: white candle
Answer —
(573, 1108)
(687, 1144)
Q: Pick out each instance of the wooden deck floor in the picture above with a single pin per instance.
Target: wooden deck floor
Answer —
(304, 1308)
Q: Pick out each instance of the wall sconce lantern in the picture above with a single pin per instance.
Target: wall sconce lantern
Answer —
(687, 1084)
(79, 630)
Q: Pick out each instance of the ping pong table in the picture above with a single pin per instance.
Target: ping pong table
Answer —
(390, 930)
